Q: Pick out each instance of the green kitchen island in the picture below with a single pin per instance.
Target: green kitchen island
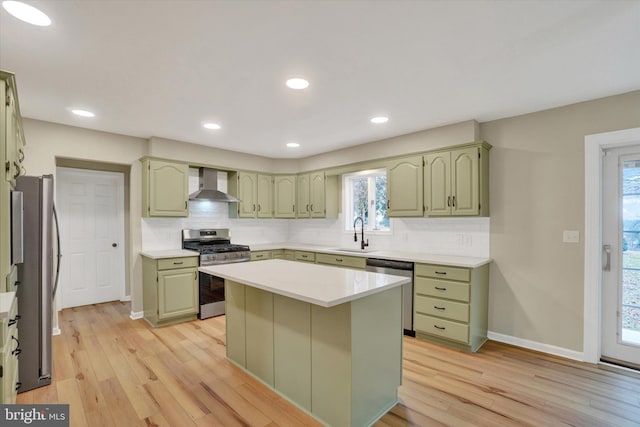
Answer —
(328, 339)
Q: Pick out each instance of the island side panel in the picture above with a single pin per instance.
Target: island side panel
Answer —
(235, 321)
(259, 333)
(331, 364)
(292, 349)
(376, 351)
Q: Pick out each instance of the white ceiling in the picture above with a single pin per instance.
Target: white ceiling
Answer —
(163, 68)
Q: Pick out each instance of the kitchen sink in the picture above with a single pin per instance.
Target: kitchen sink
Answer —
(360, 251)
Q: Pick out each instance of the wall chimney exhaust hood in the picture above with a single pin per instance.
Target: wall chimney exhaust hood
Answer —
(208, 188)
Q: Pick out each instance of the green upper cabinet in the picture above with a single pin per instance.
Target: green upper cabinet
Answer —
(317, 195)
(437, 183)
(285, 196)
(404, 187)
(255, 192)
(248, 194)
(456, 182)
(265, 196)
(165, 188)
(303, 195)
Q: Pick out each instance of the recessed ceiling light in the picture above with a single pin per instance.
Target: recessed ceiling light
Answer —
(83, 113)
(380, 119)
(26, 13)
(297, 83)
(213, 126)
(293, 145)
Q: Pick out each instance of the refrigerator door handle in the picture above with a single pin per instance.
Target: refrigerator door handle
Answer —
(59, 255)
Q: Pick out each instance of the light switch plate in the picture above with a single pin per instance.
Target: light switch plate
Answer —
(571, 236)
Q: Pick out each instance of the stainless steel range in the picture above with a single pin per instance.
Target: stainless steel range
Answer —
(214, 246)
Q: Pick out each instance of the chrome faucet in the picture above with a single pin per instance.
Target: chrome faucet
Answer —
(355, 233)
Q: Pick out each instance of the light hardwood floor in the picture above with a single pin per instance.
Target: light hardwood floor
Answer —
(114, 371)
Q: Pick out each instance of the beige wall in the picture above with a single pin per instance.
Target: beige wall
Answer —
(47, 142)
(537, 191)
(416, 142)
(211, 156)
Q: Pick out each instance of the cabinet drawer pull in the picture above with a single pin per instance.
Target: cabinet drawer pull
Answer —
(178, 263)
(305, 256)
(18, 385)
(259, 256)
(442, 328)
(442, 273)
(439, 308)
(339, 259)
(440, 289)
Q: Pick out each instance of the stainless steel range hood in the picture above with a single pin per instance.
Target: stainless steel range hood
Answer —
(208, 188)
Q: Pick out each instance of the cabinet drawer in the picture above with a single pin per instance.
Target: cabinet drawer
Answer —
(277, 254)
(341, 260)
(260, 255)
(442, 272)
(442, 308)
(442, 328)
(442, 289)
(171, 263)
(305, 256)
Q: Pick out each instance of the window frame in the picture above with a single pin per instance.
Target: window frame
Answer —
(347, 201)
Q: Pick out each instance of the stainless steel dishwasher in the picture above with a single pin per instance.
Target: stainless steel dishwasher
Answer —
(398, 268)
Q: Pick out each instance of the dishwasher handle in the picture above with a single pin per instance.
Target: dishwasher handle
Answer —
(389, 263)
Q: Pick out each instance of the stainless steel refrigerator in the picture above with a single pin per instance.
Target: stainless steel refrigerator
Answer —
(36, 277)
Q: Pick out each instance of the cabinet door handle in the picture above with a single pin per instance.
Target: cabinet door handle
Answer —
(453, 201)
(14, 320)
(440, 289)
(17, 174)
(18, 385)
(17, 350)
(254, 207)
(388, 203)
(195, 275)
(449, 201)
(186, 204)
(293, 208)
(312, 206)
(259, 208)
(20, 155)
(439, 308)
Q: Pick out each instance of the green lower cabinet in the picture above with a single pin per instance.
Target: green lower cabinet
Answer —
(8, 357)
(170, 290)
(450, 305)
(259, 333)
(261, 255)
(292, 349)
(341, 260)
(342, 364)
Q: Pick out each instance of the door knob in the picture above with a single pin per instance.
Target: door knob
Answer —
(115, 245)
(607, 253)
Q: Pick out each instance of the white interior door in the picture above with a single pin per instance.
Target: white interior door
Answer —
(621, 250)
(91, 210)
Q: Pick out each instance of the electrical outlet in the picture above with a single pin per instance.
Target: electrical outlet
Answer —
(571, 236)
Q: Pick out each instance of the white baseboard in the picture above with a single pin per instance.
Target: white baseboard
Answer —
(533, 345)
(136, 315)
(56, 331)
(126, 298)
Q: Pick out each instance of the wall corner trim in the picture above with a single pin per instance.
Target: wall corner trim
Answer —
(136, 315)
(537, 346)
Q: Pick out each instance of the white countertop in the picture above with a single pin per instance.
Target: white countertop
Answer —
(452, 260)
(169, 253)
(321, 285)
(6, 299)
